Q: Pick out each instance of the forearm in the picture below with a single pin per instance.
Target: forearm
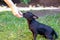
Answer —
(11, 5)
(14, 9)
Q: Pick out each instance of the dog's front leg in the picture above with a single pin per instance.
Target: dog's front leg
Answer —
(34, 36)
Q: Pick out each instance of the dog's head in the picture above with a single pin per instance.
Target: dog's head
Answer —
(29, 16)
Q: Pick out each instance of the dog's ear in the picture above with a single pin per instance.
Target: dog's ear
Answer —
(35, 17)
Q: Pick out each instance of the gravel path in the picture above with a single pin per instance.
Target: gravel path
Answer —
(46, 12)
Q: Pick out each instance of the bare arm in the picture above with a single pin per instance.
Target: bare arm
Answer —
(13, 8)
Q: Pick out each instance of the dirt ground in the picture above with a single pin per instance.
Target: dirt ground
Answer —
(46, 12)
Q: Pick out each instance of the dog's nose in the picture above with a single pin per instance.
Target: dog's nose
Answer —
(23, 14)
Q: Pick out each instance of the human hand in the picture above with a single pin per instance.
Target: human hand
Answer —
(17, 13)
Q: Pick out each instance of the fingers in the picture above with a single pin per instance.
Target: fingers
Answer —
(20, 13)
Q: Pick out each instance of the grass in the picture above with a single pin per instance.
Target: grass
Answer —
(13, 28)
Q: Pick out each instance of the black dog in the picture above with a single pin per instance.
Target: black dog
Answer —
(39, 28)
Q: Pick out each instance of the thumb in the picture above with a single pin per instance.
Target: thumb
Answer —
(20, 13)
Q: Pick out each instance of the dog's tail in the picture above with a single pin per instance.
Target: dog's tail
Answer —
(56, 36)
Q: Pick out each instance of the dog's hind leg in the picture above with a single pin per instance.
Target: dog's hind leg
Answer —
(50, 37)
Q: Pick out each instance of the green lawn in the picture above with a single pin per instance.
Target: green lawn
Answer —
(13, 28)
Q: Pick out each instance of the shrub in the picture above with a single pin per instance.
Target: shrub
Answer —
(25, 1)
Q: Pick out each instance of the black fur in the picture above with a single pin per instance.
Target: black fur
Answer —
(39, 28)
